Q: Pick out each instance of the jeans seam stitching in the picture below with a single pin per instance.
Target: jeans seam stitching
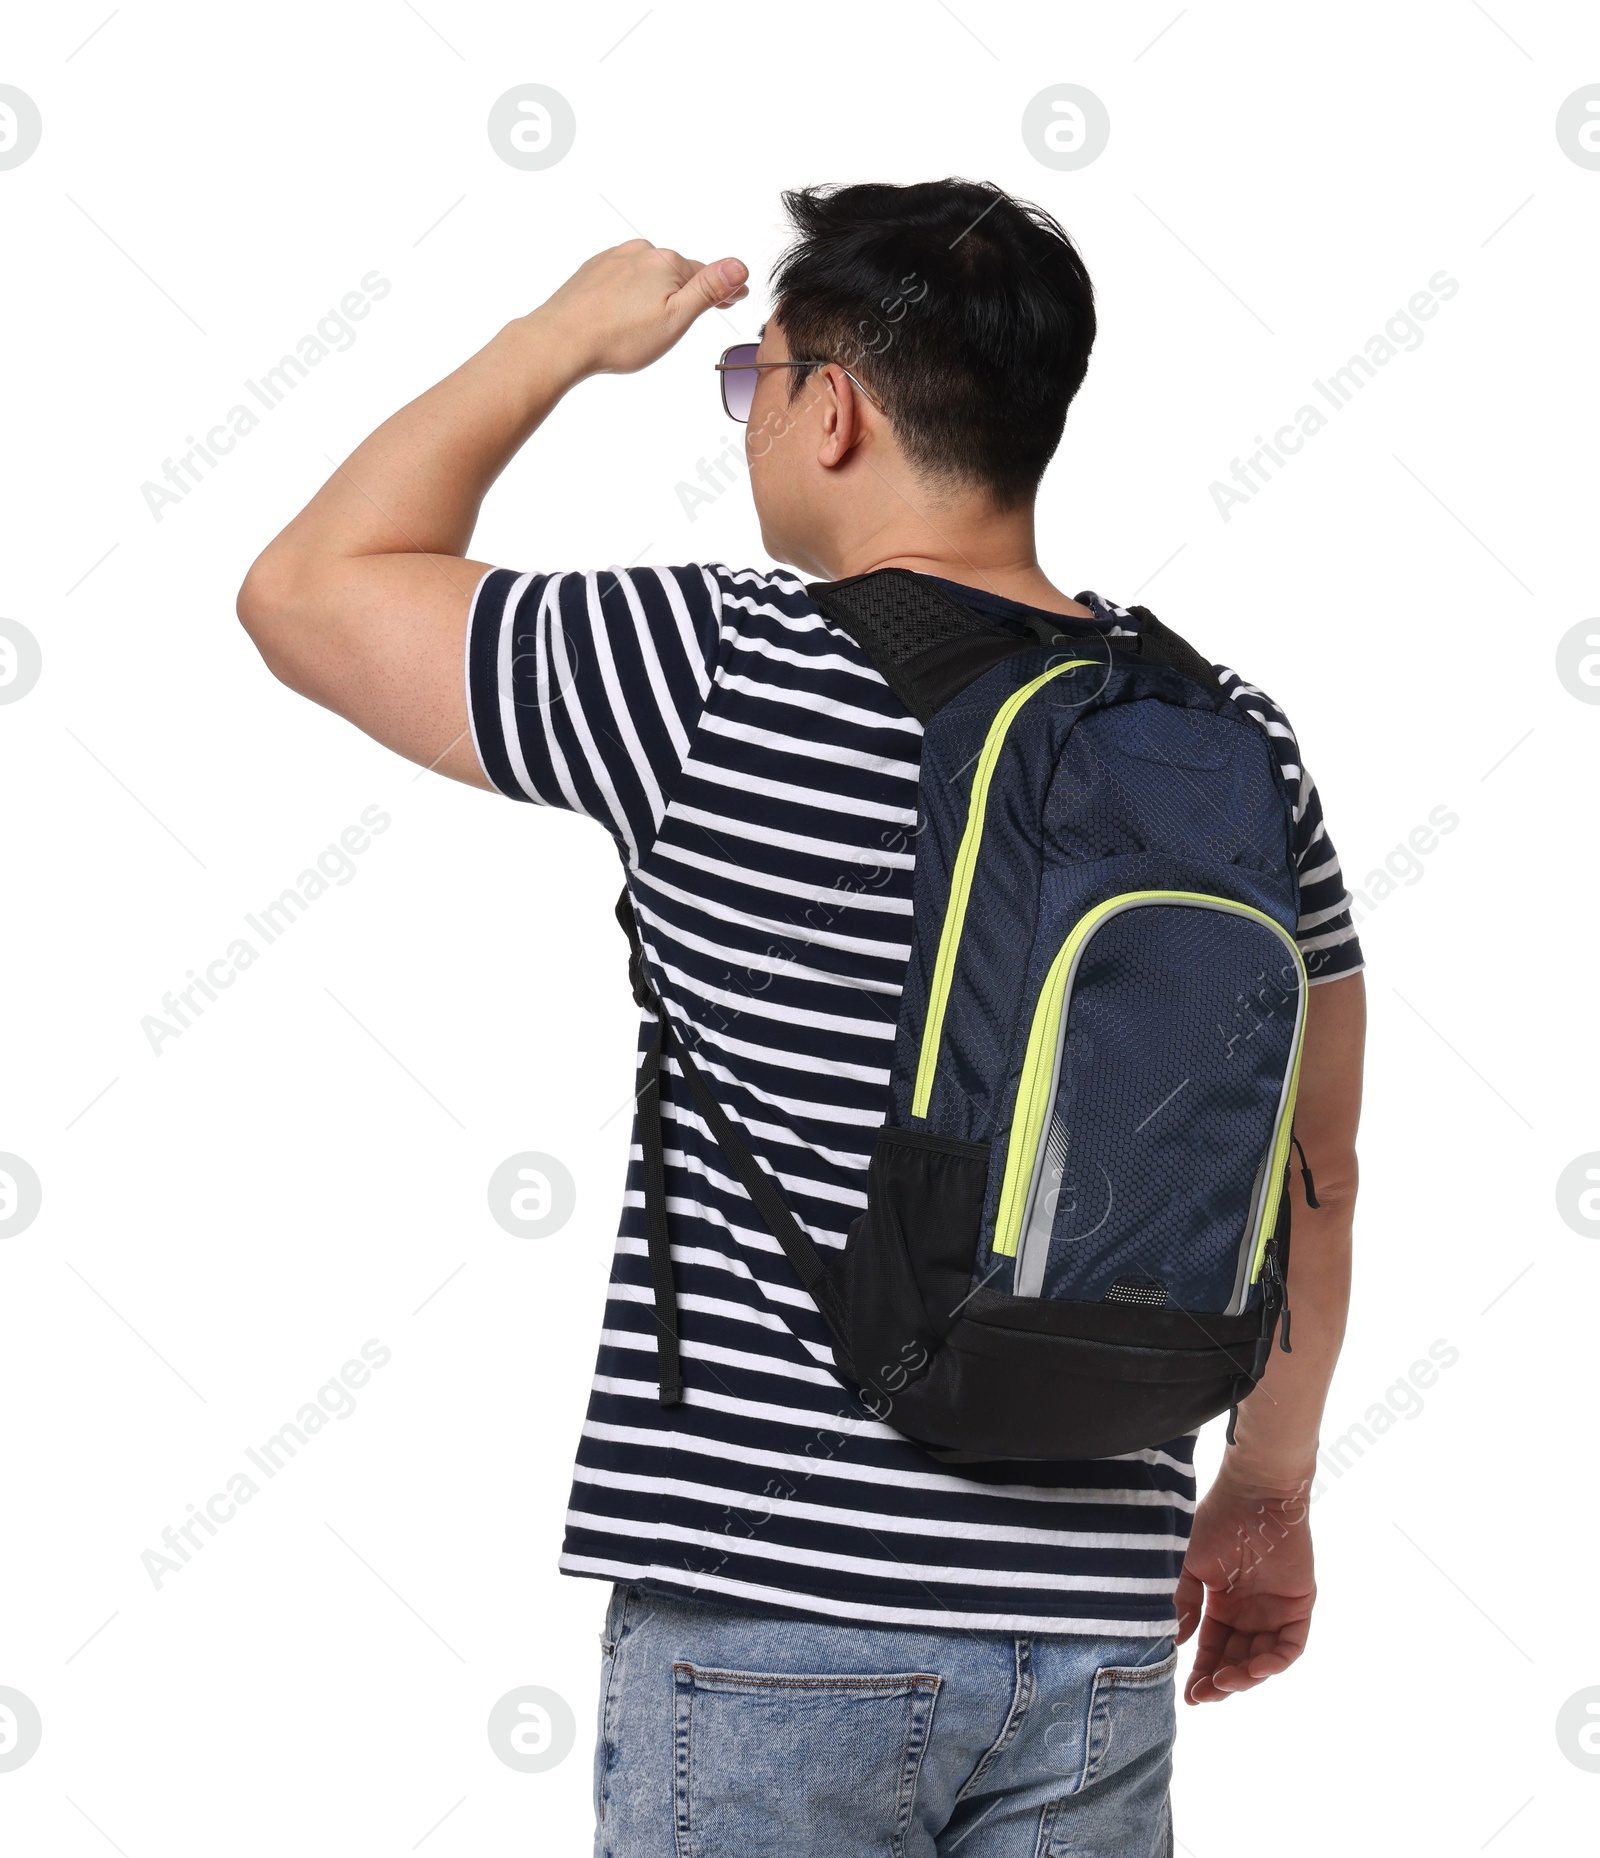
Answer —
(1099, 1715)
(896, 1685)
(607, 1717)
(1046, 1836)
(924, 1698)
(1011, 1728)
(683, 1704)
(1133, 1676)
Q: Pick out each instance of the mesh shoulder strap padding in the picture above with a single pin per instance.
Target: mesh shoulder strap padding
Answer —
(893, 614)
(925, 647)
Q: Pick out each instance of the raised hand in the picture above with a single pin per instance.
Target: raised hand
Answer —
(625, 307)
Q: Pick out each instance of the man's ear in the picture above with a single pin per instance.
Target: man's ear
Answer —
(842, 428)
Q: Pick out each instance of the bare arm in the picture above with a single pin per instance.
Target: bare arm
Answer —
(361, 603)
(1249, 1565)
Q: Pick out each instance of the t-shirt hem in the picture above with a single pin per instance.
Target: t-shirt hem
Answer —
(856, 1608)
(1343, 974)
(467, 682)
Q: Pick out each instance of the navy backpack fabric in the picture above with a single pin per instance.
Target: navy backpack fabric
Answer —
(1076, 1236)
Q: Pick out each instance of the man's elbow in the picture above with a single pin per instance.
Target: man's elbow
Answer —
(273, 611)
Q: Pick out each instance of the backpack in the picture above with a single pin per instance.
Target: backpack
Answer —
(1077, 1228)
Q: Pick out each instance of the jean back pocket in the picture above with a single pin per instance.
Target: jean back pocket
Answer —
(779, 1763)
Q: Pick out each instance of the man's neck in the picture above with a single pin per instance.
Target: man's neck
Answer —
(974, 546)
(1024, 582)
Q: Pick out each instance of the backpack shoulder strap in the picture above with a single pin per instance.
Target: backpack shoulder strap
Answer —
(926, 648)
(780, 1222)
(1159, 644)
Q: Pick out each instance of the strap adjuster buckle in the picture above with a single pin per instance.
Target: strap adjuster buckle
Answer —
(639, 981)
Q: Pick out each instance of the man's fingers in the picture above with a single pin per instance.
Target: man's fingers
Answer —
(1240, 1665)
(1228, 1679)
(722, 282)
(1233, 1655)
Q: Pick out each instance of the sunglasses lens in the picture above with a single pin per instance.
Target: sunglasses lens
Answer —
(739, 379)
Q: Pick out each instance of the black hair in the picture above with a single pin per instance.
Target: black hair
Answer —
(967, 312)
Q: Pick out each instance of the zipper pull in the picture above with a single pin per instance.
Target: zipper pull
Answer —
(1305, 1174)
(1276, 1278)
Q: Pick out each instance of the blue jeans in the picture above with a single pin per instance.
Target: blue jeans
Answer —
(729, 1734)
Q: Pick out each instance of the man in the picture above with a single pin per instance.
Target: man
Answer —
(821, 1637)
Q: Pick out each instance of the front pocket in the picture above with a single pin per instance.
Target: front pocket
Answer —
(1150, 1131)
(772, 1762)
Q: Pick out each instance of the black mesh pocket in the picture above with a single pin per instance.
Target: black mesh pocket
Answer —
(907, 1269)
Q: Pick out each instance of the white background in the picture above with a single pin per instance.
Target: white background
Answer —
(227, 1222)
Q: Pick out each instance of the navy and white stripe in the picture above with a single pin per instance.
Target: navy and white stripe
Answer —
(1326, 931)
(759, 779)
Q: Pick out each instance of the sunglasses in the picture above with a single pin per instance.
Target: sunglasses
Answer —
(740, 371)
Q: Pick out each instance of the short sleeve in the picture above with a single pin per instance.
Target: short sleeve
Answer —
(585, 690)
(1326, 932)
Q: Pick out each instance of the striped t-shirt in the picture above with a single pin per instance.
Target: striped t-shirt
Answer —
(760, 781)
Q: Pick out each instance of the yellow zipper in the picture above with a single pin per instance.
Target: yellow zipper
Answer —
(1280, 1150)
(1032, 1107)
(961, 880)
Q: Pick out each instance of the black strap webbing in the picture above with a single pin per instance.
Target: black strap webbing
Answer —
(780, 1222)
(655, 1213)
(1159, 644)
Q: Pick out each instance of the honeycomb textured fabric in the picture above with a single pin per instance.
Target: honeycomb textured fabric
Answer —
(1167, 1099)
(902, 627)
